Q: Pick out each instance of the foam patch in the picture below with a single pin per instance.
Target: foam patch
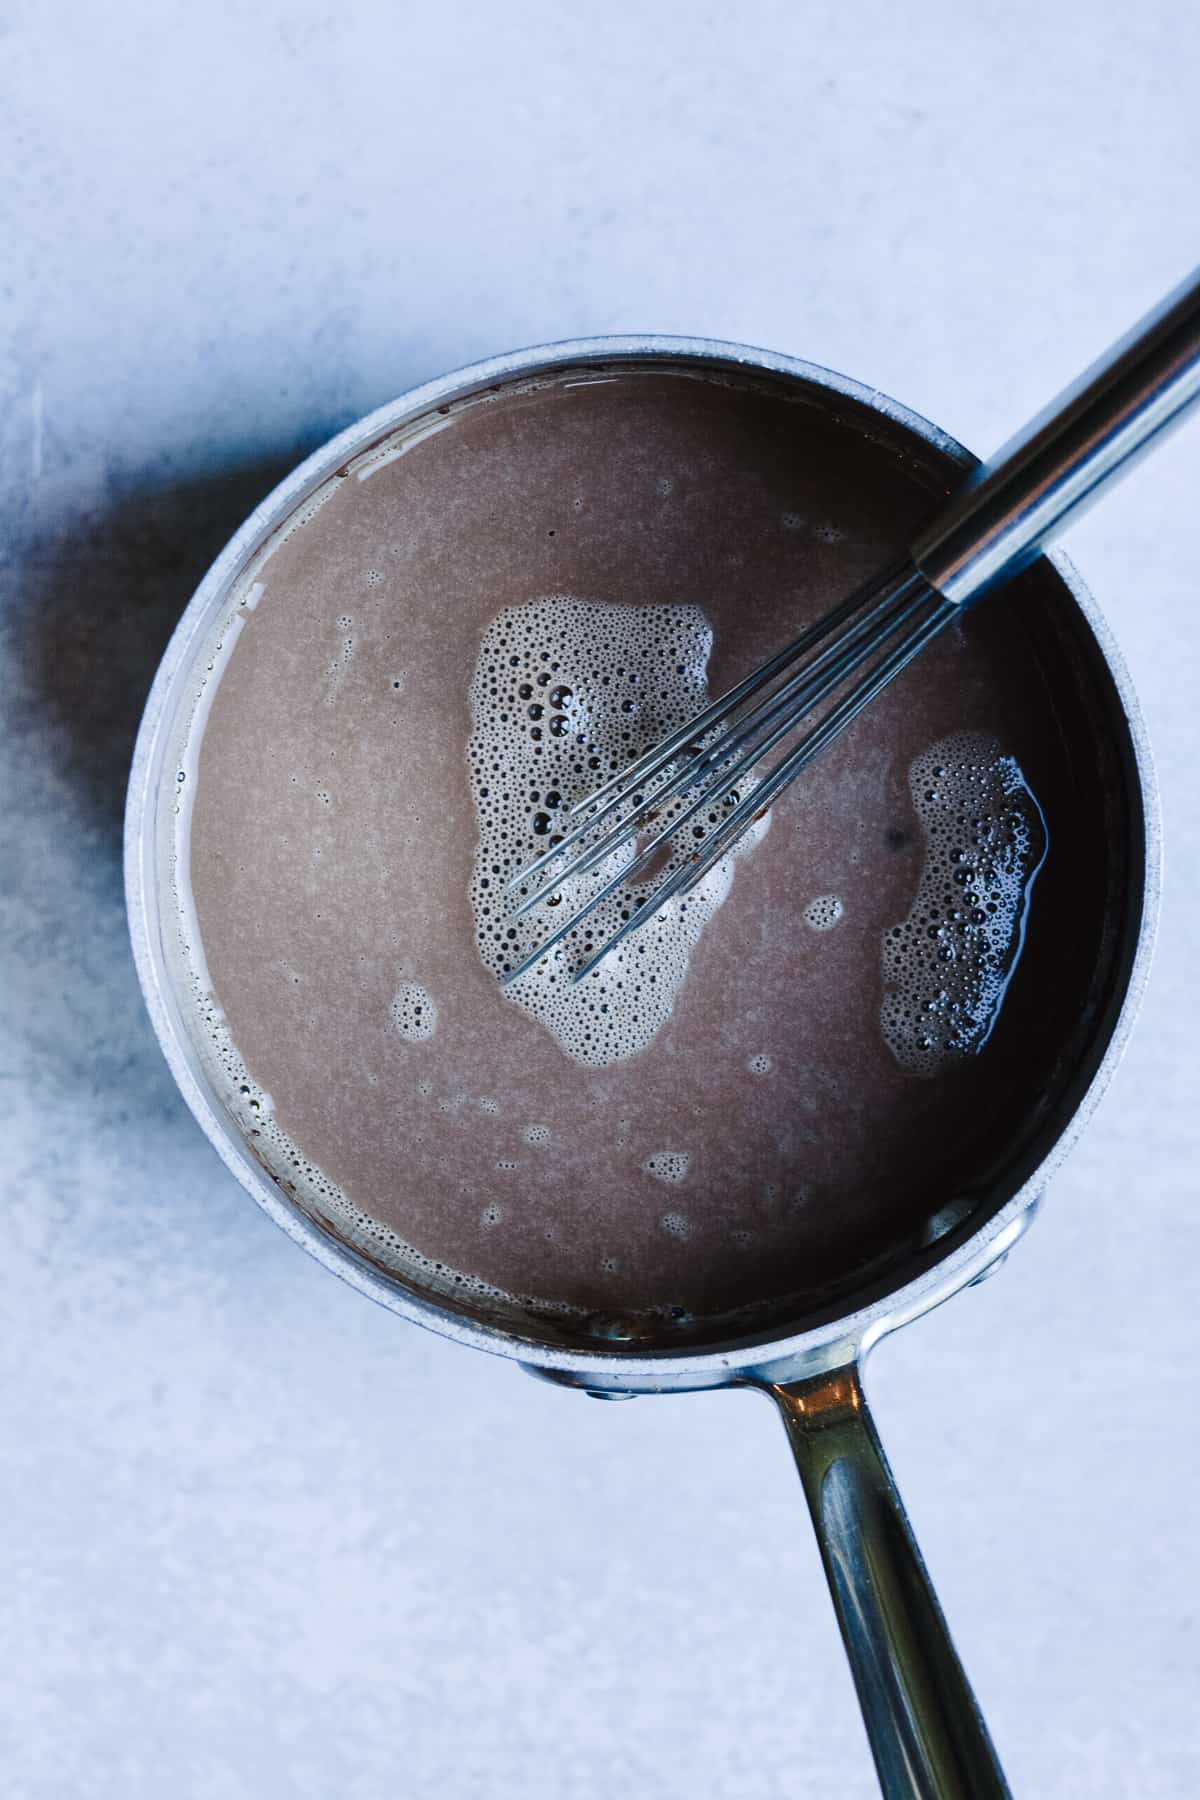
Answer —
(567, 692)
(947, 966)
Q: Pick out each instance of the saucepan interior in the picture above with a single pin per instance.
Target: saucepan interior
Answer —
(1060, 1026)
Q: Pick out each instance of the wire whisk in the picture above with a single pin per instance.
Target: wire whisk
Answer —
(702, 778)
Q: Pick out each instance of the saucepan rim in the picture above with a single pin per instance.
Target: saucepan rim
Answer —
(610, 1371)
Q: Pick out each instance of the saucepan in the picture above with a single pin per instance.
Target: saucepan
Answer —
(925, 1729)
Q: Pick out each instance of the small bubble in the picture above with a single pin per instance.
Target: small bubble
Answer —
(670, 1166)
(823, 913)
(413, 1012)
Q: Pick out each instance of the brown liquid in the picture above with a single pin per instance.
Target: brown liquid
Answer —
(334, 831)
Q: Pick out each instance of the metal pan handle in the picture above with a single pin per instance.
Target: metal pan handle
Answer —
(925, 1728)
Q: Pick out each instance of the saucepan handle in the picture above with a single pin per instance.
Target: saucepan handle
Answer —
(926, 1731)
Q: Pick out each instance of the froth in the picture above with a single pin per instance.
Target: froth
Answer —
(300, 1178)
(414, 1012)
(947, 965)
(823, 913)
(670, 1166)
(565, 693)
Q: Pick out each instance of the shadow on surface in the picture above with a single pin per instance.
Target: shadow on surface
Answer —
(92, 608)
(103, 605)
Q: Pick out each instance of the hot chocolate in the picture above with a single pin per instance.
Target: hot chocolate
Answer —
(766, 1098)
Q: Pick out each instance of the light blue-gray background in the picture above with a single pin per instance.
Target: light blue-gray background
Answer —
(259, 1539)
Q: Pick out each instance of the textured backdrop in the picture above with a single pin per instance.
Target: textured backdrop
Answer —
(259, 1539)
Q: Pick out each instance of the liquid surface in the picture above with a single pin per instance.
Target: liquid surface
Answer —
(758, 1122)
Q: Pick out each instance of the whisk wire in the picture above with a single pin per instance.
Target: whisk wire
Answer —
(759, 732)
(883, 626)
(813, 683)
(601, 802)
(660, 753)
(688, 876)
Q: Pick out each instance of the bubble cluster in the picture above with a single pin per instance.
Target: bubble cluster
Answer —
(340, 661)
(675, 1224)
(947, 965)
(760, 1064)
(414, 1013)
(565, 693)
(536, 1134)
(300, 1179)
(670, 1166)
(823, 913)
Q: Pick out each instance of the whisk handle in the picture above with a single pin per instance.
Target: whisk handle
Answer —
(1089, 436)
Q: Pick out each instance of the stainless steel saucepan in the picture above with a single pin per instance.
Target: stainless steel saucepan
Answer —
(925, 1729)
